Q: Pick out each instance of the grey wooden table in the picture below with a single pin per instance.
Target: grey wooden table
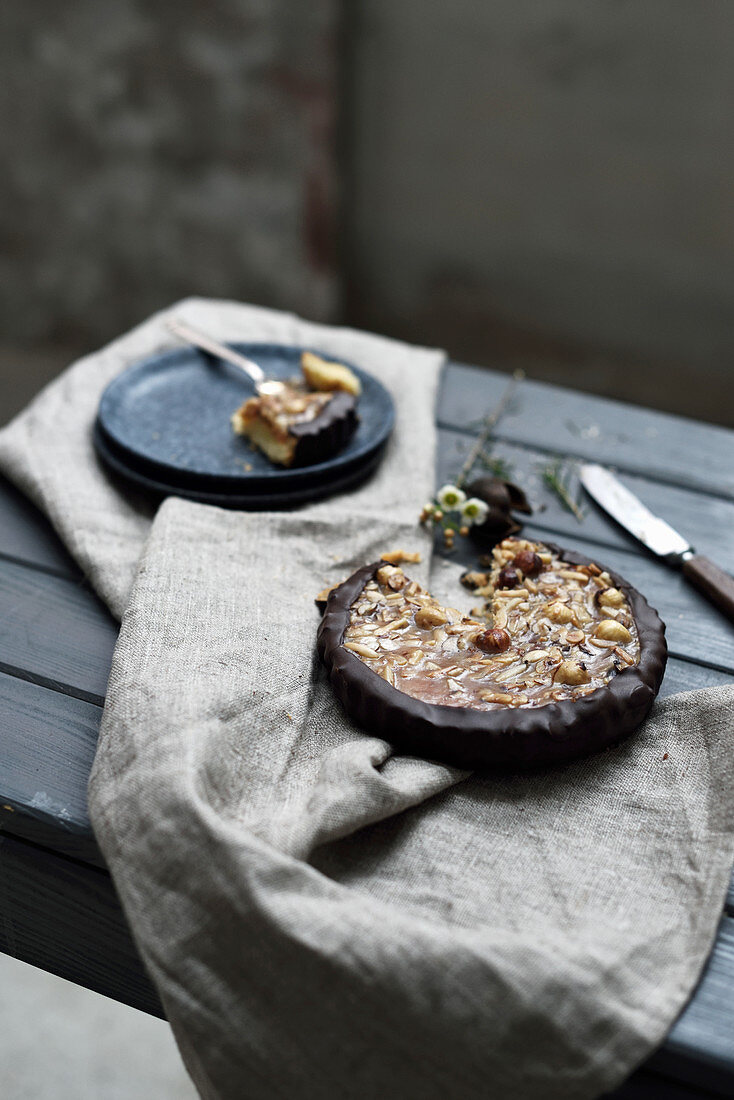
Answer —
(58, 908)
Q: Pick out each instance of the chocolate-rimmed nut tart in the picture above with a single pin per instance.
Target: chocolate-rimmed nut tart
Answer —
(563, 659)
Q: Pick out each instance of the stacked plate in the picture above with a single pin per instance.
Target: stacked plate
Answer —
(164, 425)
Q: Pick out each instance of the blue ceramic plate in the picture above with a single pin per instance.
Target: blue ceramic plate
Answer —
(285, 498)
(168, 421)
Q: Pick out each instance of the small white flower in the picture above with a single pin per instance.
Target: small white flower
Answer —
(450, 498)
(474, 511)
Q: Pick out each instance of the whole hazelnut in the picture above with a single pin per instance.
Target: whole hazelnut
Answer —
(495, 640)
(508, 577)
(610, 597)
(559, 612)
(571, 672)
(529, 562)
(609, 630)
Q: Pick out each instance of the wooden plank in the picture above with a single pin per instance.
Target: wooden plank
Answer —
(706, 520)
(689, 676)
(703, 1035)
(645, 1085)
(46, 752)
(54, 632)
(66, 918)
(27, 536)
(665, 448)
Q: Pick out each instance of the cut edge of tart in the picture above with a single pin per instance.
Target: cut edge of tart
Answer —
(567, 660)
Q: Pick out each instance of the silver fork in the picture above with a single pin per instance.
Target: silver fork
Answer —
(200, 340)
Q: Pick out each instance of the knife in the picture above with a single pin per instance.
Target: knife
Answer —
(659, 536)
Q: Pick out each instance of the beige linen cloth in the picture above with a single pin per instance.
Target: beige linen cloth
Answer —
(323, 918)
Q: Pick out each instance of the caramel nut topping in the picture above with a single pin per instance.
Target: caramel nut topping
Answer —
(515, 651)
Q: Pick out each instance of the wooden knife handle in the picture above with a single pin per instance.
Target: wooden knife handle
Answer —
(715, 584)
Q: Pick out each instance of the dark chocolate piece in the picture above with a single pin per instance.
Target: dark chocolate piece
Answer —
(508, 738)
(503, 497)
(327, 433)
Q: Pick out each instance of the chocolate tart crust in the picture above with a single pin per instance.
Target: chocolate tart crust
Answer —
(506, 739)
(327, 433)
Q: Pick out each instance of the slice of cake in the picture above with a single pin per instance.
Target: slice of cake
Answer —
(295, 427)
(303, 422)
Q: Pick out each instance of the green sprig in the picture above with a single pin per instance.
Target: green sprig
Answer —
(555, 476)
(488, 425)
(500, 467)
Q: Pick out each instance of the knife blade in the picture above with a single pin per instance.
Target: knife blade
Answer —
(622, 505)
(658, 536)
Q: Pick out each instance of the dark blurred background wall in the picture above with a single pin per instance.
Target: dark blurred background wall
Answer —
(543, 182)
(154, 149)
(551, 182)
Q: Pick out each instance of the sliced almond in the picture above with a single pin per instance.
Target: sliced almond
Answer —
(536, 654)
(400, 624)
(509, 674)
(361, 650)
(495, 697)
(500, 617)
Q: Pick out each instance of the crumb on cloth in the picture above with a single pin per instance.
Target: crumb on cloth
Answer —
(395, 556)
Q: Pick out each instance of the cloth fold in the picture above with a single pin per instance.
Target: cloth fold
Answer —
(320, 916)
